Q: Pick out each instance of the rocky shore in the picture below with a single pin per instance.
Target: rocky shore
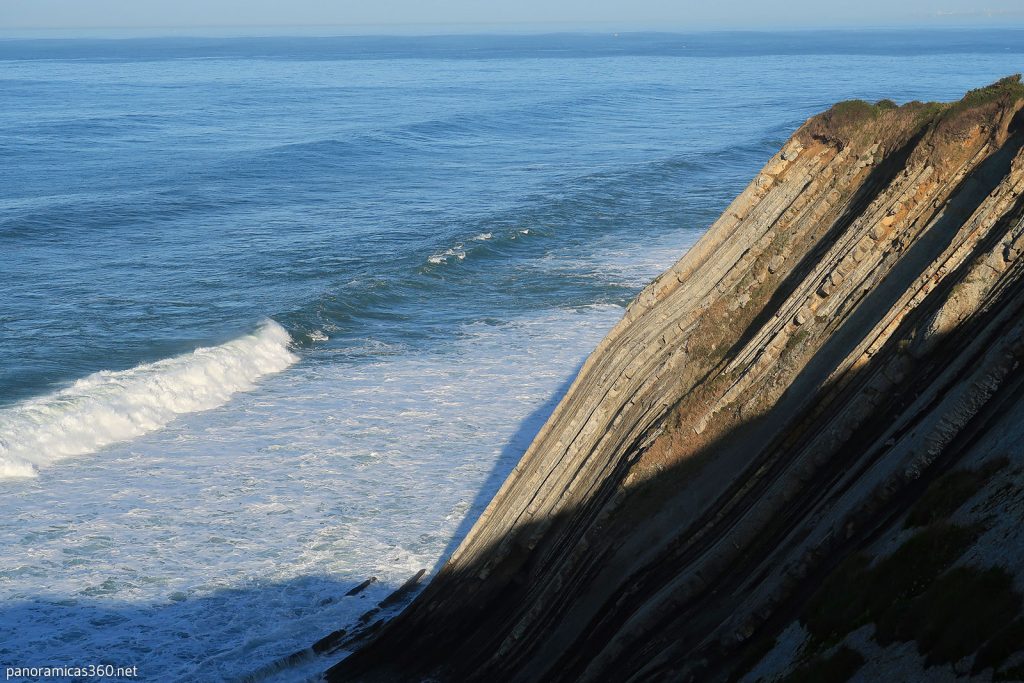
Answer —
(798, 456)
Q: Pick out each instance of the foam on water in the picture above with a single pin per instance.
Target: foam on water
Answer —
(457, 252)
(228, 540)
(108, 407)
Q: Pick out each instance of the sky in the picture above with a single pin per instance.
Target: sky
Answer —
(639, 14)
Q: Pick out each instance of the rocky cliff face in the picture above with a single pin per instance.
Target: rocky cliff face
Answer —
(799, 455)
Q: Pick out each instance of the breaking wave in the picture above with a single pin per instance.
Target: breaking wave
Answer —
(107, 407)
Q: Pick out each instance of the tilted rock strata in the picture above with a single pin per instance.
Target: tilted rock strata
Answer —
(839, 337)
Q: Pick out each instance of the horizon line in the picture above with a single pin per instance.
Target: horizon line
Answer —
(466, 28)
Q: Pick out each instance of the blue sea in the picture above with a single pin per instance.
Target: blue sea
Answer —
(279, 314)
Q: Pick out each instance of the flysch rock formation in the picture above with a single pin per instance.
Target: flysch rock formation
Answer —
(799, 456)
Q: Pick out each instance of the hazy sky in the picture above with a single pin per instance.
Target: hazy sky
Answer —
(679, 14)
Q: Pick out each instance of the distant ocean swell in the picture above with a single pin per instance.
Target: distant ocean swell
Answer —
(108, 407)
(486, 250)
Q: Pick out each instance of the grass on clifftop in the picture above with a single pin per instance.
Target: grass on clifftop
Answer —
(848, 113)
(972, 108)
(844, 120)
(1010, 87)
(855, 111)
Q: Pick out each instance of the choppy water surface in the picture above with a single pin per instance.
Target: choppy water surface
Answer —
(280, 314)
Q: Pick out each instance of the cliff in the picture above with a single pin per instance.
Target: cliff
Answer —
(797, 456)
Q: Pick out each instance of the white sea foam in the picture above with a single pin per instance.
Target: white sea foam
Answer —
(456, 252)
(484, 236)
(244, 527)
(108, 407)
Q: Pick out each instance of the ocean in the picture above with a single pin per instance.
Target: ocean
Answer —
(279, 314)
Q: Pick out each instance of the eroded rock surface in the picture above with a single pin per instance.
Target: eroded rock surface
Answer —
(737, 466)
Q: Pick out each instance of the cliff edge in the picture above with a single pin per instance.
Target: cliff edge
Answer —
(797, 457)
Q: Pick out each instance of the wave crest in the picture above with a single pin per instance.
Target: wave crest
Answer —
(107, 407)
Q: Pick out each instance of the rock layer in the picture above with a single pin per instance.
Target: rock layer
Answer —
(773, 404)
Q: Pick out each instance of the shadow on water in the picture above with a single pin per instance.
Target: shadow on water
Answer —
(224, 635)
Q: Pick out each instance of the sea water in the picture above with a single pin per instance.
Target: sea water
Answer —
(279, 314)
